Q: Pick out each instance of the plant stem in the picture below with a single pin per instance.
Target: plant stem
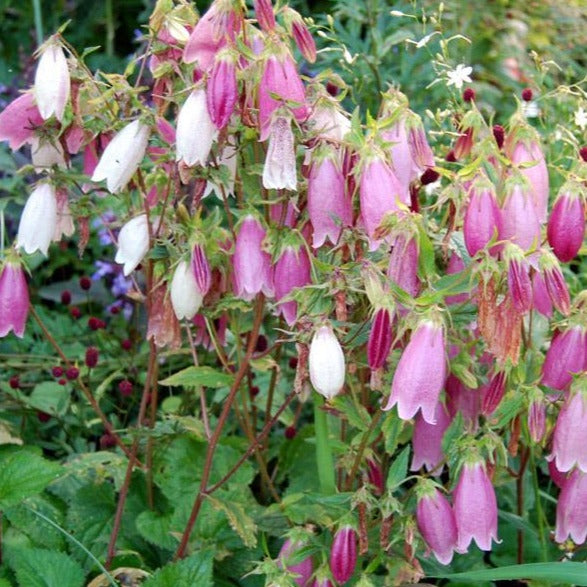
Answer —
(539, 510)
(38, 14)
(324, 458)
(109, 29)
(362, 447)
(203, 406)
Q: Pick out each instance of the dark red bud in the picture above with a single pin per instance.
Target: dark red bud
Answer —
(72, 373)
(85, 283)
(290, 432)
(450, 157)
(66, 297)
(92, 356)
(75, 312)
(57, 371)
(107, 441)
(527, 94)
(126, 344)
(469, 95)
(62, 381)
(14, 382)
(429, 176)
(43, 417)
(499, 135)
(583, 153)
(125, 388)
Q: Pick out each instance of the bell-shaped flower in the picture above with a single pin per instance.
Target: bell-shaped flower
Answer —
(571, 509)
(279, 171)
(483, 222)
(19, 120)
(520, 218)
(420, 373)
(64, 225)
(38, 220)
(122, 156)
(437, 524)
(300, 571)
(133, 243)
(566, 225)
(343, 554)
(326, 363)
(186, 296)
(251, 264)
(195, 130)
(46, 154)
(459, 398)
(401, 155)
(566, 356)
(427, 441)
(422, 154)
(475, 507)
(292, 270)
(14, 299)
(52, 83)
(222, 90)
(327, 122)
(403, 263)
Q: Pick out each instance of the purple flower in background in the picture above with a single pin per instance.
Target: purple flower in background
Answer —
(104, 268)
(121, 285)
(104, 235)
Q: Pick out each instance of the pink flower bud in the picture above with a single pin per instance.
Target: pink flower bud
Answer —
(14, 299)
(555, 283)
(427, 441)
(422, 154)
(303, 39)
(19, 120)
(420, 373)
(464, 400)
(279, 171)
(437, 524)
(403, 264)
(375, 476)
(565, 356)
(133, 243)
(328, 205)
(52, 83)
(326, 363)
(493, 393)
(566, 225)
(380, 338)
(201, 269)
(571, 510)
(401, 156)
(122, 156)
(343, 554)
(520, 219)
(323, 582)
(475, 508)
(251, 265)
(38, 220)
(540, 298)
(264, 14)
(380, 193)
(537, 420)
(301, 571)
(570, 434)
(291, 271)
(483, 222)
(186, 296)
(519, 284)
(222, 91)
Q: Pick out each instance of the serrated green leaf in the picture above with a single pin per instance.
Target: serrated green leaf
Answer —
(199, 376)
(36, 567)
(24, 473)
(49, 397)
(392, 427)
(399, 468)
(156, 529)
(356, 414)
(194, 570)
(238, 519)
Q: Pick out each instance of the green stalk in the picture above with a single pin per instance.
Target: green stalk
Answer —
(324, 458)
(38, 21)
(109, 29)
(539, 511)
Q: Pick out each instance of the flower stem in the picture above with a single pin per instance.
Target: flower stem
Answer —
(324, 458)
(38, 21)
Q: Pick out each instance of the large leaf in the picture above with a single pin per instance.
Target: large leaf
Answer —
(49, 397)
(23, 473)
(194, 570)
(196, 376)
(36, 567)
(399, 468)
(238, 519)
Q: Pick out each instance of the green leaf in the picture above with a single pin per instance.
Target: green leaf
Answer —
(391, 428)
(426, 262)
(196, 376)
(49, 397)
(567, 572)
(156, 529)
(24, 473)
(36, 567)
(399, 469)
(356, 414)
(194, 570)
(238, 519)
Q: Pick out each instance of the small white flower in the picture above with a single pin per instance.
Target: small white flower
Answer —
(424, 40)
(133, 243)
(52, 82)
(530, 109)
(459, 76)
(581, 118)
(186, 297)
(326, 363)
(38, 220)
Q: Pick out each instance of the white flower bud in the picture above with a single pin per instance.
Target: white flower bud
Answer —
(133, 243)
(38, 220)
(186, 297)
(326, 363)
(52, 83)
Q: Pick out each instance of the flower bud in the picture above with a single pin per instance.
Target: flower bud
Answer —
(571, 513)
(133, 243)
(201, 269)
(520, 219)
(483, 222)
(303, 570)
(52, 83)
(195, 130)
(540, 298)
(38, 220)
(302, 37)
(279, 171)
(186, 296)
(555, 283)
(292, 270)
(537, 420)
(427, 441)
(122, 156)
(437, 524)
(493, 393)
(14, 299)
(380, 338)
(565, 356)
(475, 507)
(92, 356)
(420, 373)
(403, 264)
(264, 14)
(343, 554)
(422, 154)
(19, 120)
(251, 265)
(326, 363)
(222, 91)
(519, 284)
(566, 225)
(401, 157)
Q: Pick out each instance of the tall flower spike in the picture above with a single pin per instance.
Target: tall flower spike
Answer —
(186, 296)
(133, 243)
(326, 363)
(292, 270)
(52, 83)
(122, 156)
(279, 171)
(38, 220)
(14, 299)
(420, 373)
(566, 225)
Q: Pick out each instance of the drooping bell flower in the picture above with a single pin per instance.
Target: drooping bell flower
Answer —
(163, 326)
(475, 507)
(537, 418)
(380, 338)
(401, 156)
(380, 193)
(566, 225)
(201, 269)
(555, 283)
(455, 265)
(14, 299)
(186, 296)
(519, 284)
(420, 373)
(521, 224)
(251, 264)
(222, 90)
(329, 207)
(343, 554)
(280, 85)
(45, 154)
(301, 35)
(327, 122)
(292, 270)
(437, 524)
(403, 263)
(427, 441)
(19, 120)
(571, 509)
(493, 393)
(38, 220)
(570, 433)
(133, 243)
(558, 478)
(301, 571)
(483, 223)
(279, 171)
(565, 356)
(326, 363)
(195, 130)
(540, 297)
(64, 225)
(264, 14)
(122, 156)
(52, 83)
